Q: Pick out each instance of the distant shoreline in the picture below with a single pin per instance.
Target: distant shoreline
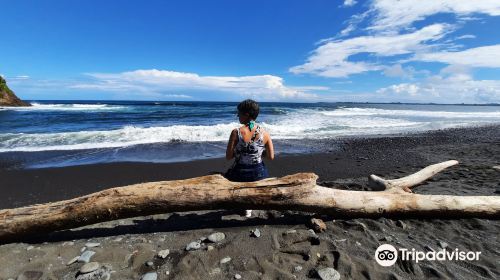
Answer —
(264, 102)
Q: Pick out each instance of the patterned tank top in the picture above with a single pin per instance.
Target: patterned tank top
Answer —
(251, 152)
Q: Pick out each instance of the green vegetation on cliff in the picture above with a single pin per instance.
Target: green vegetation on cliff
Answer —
(7, 96)
(4, 88)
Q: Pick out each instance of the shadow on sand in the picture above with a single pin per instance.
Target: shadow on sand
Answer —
(175, 222)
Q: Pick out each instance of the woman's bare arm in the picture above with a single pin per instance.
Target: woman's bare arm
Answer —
(231, 144)
(269, 146)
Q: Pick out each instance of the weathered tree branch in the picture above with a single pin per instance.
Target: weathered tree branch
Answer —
(405, 183)
(293, 192)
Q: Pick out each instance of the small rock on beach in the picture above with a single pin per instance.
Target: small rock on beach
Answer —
(256, 233)
(443, 244)
(150, 276)
(216, 237)
(85, 256)
(92, 244)
(195, 245)
(73, 260)
(328, 274)
(317, 225)
(401, 224)
(163, 253)
(89, 267)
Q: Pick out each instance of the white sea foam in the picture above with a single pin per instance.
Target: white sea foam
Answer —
(296, 124)
(409, 113)
(65, 107)
(126, 136)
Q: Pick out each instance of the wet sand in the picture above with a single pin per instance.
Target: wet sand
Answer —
(348, 245)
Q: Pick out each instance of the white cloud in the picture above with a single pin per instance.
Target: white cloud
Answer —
(468, 36)
(458, 88)
(21, 77)
(394, 40)
(310, 88)
(331, 58)
(487, 56)
(15, 78)
(453, 84)
(399, 71)
(346, 31)
(263, 86)
(392, 15)
(350, 3)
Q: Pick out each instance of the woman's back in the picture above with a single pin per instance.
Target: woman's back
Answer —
(247, 144)
(249, 151)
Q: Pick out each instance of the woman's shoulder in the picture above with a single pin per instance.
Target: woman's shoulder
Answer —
(263, 135)
(235, 132)
(262, 130)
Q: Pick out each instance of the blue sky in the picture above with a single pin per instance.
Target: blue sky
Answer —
(440, 51)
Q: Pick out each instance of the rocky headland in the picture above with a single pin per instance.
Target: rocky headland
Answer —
(7, 96)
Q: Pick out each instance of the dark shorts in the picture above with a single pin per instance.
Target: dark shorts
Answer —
(247, 172)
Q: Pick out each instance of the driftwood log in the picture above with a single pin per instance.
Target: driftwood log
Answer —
(294, 192)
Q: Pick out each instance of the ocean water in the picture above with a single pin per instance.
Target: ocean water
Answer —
(59, 133)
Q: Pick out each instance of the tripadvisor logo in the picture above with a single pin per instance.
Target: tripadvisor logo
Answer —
(387, 255)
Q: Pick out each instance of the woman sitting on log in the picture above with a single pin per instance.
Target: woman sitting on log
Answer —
(247, 145)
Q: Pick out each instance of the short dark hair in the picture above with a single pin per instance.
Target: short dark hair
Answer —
(250, 107)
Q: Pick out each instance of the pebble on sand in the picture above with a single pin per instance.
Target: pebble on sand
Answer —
(237, 276)
(163, 253)
(443, 244)
(150, 276)
(328, 274)
(225, 260)
(386, 238)
(255, 233)
(73, 260)
(195, 245)
(317, 225)
(401, 224)
(216, 237)
(92, 244)
(85, 256)
(216, 270)
(89, 267)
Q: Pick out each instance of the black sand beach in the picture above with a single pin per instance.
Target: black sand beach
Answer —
(347, 245)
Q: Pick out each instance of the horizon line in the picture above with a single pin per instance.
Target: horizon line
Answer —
(297, 102)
